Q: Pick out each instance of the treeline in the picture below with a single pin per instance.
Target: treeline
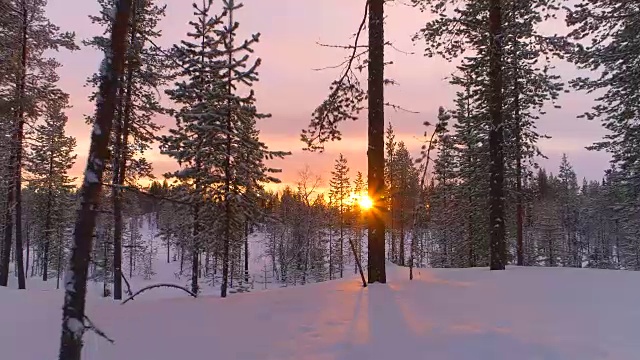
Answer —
(36, 154)
(207, 79)
(477, 162)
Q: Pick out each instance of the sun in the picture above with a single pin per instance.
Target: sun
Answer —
(365, 202)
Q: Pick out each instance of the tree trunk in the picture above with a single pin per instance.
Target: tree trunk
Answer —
(8, 229)
(132, 248)
(120, 169)
(27, 246)
(47, 230)
(518, 144)
(401, 250)
(330, 250)
(375, 152)
(519, 213)
(73, 315)
(341, 252)
(59, 263)
(195, 251)
(168, 249)
(116, 194)
(497, 244)
(246, 251)
(392, 213)
(18, 148)
(227, 175)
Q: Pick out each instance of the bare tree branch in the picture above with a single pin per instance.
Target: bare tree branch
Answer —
(90, 326)
(158, 286)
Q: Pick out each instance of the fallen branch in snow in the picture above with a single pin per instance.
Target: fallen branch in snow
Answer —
(96, 330)
(127, 283)
(158, 286)
(355, 256)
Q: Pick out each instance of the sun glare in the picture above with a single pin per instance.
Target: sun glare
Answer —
(365, 202)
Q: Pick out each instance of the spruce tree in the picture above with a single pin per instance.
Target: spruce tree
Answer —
(568, 202)
(404, 193)
(216, 130)
(343, 103)
(607, 36)
(445, 198)
(192, 142)
(507, 81)
(390, 148)
(359, 214)
(73, 311)
(340, 192)
(138, 102)
(30, 76)
(49, 160)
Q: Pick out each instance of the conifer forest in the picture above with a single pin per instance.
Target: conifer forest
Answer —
(470, 185)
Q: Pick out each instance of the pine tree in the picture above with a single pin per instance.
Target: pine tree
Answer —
(445, 199)
(340, 192)
(404, 192)
(30, 77)
(73, 311)
(507, 82)
(48, 162)
(568, 202)
(390, 147)
(191, 143)
(472, 160)
(138, 102)
(343, 103)
(613, 32)
(359, 189)
(223, 126)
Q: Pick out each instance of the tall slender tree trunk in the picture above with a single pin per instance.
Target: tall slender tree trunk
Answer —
(120, 168)
(497, 246)
(401, 250)
(47, 230)
(73, 314)
(246, 250)
(392, 212)
(116, 194)
(14, 189)
(8, 226)
(375, 152)
(59, 262)
(132, 248)
(47, 222)
(341, 240)
(168, 248)
(519, 206)
(196, 249)
(227, 173)
(20, 135)
(27, 247)
(330, 250)
(518, 144)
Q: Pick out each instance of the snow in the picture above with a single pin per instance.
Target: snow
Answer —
(520, 313)
(75, 326)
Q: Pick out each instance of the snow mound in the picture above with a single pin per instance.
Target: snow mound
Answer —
(521, 313)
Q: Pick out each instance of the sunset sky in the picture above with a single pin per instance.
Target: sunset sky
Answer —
(290, 89)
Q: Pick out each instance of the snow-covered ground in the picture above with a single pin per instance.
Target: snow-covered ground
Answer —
(521, 313)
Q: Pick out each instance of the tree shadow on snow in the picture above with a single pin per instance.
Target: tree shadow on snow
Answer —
(394, 331)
